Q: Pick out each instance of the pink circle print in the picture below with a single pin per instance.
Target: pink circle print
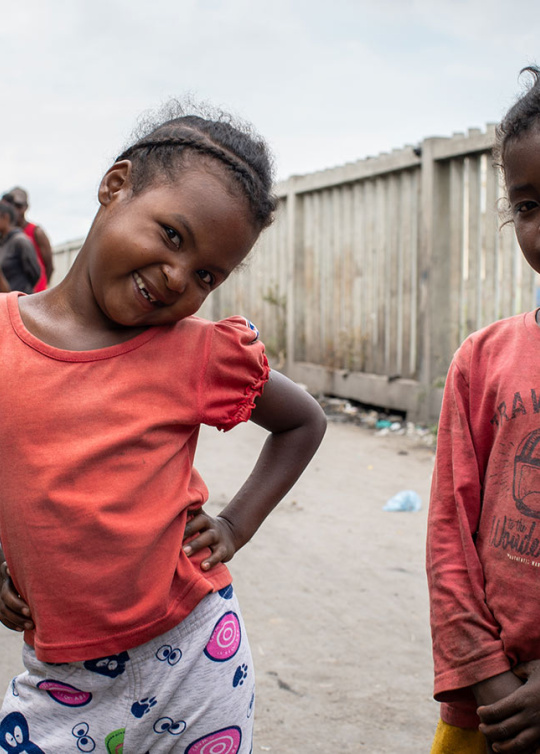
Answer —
(225, 639)
(225, 741)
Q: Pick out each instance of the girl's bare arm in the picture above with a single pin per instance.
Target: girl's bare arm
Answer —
(296, 424)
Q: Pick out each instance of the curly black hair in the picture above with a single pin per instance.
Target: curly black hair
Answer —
(161, 146)
(522, 117)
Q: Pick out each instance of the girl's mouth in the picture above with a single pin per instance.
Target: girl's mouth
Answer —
(140, 285)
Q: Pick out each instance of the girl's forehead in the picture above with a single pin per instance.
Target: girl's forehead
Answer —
(524, 144)
(199, 174)
(205, 190)
(521, 159)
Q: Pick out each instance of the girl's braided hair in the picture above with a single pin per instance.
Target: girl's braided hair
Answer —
(161, 150)
(523, 116)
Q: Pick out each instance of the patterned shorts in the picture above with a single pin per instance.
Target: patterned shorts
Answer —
(189, 691)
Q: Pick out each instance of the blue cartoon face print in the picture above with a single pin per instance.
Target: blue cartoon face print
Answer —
(169, 654)
(169, 725)
(15, 736)
(85, 742)
(111, 666)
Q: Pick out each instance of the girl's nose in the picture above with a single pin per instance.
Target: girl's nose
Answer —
(176, 277)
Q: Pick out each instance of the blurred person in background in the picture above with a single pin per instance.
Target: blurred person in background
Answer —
(18, 198)
(18, 259)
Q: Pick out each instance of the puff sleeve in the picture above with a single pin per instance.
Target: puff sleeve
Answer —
(235, 374)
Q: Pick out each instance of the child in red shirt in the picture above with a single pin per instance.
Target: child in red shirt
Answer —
(133, 637)
(483, 536)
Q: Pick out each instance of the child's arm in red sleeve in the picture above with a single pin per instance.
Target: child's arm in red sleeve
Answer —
(466, 644)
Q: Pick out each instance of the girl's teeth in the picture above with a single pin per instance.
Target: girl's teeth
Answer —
(140, 285)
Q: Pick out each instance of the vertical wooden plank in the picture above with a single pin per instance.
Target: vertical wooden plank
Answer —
(407, 254)
(359, 295)
(370, 276)
(381, 267)
(327, 251)
(311, 277)
(393, 274)
(347, 304)
(440, 273)
(290, 252)
(415, 344)
(320, 223)
(428, 316)
(499, 208)
(455, 313)
(473, 224)
(489, 234)
(335, 329)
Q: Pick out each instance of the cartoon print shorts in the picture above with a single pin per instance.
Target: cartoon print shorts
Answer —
(189, 691)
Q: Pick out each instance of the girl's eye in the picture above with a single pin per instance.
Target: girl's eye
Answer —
(525, 207)
(206, 277)
(173, 236)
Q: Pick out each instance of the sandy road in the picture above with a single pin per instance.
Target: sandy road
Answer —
(333, 594)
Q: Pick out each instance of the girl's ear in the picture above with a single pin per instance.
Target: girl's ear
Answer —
(116, 180)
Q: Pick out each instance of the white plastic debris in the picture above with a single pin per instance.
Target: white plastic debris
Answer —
(406, 500)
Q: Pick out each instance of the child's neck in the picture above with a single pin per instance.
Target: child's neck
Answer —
(50, 318)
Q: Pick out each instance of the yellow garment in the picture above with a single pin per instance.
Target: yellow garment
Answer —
(451, 740)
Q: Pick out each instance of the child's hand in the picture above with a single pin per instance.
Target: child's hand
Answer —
(215, 533)
(14, 612)
(512, 725)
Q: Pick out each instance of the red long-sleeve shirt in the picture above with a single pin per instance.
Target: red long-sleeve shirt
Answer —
(483, 552)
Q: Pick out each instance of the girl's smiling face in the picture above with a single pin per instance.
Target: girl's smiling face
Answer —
(522, 175)
(152, 258)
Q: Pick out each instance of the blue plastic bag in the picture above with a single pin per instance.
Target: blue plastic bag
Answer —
(406, 500)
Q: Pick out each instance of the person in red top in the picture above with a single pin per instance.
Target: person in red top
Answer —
(19, 199)
(133, 634)
(483, 551)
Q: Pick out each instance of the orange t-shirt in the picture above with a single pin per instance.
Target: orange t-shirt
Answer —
(97, 475)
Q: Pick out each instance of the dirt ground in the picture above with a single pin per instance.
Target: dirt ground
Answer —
(334, 596)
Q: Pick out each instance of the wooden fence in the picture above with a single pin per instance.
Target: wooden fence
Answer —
(374, 272)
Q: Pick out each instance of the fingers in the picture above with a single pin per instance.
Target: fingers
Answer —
(500, 712)
(198, 523)
(208, 533)
(14, 612)
(208, 539)
(515, 735)
(524, 743)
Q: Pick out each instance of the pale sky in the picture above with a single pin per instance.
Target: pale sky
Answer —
(325, 82)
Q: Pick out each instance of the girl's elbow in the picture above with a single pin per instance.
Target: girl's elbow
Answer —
(318, 422)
